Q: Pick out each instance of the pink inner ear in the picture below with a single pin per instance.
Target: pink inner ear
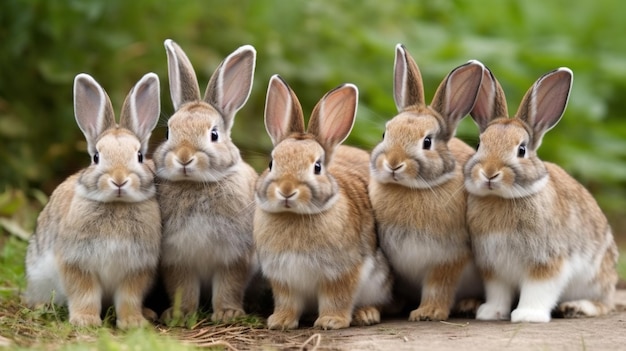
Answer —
(336, 115)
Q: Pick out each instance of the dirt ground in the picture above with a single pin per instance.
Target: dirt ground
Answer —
(601, 333)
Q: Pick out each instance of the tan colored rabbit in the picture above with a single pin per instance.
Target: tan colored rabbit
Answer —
(97, 241)
(417, 189)
(313, 227)
(205, 189)
(535, 230)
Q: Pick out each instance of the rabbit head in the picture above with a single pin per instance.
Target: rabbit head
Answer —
(298, 180)
(506, 162)
(414, 151)
(198, 146)
(118, 171)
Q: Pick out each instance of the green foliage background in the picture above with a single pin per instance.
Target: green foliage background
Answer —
(315, 46)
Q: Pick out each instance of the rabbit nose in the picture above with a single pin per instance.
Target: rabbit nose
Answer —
(185, 162)
(288, 196)
(119, 184)
(394, 167)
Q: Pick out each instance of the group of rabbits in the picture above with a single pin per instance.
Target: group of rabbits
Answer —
(424, 218)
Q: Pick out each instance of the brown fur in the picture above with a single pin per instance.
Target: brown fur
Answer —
(314, 233)
(417, 189)
(532, 225)
(98, 239)
(205, 190)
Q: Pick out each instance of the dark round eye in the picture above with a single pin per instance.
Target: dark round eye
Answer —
(214, 135)
(383, 135)
(428, 142)
(521, 151)
(318, 167)
(167, 133)
(140, 157)
(477, 146)
(96, 158)
(270, 165)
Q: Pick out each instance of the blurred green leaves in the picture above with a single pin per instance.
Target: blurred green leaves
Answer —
(315, 46)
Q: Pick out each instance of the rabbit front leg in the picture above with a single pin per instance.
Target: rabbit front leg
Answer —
(288, 306)
(539, 292)
(84, 295)
(336, 301)
(498, 300)
(129, 299)
(438, 291)
(229, 284)
(183, 289)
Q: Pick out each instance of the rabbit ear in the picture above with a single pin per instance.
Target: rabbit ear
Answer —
(283, 113)
(92, 109)
(183, 82)
(457, 94)
(490, 103)
(230, 85)
(333, 116)
(543, 105)
(141, 109)
(408, 88)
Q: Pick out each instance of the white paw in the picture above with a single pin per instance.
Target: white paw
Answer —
(530, 315)
(491, 312)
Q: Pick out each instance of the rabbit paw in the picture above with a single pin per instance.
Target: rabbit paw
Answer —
(85, 320)
(530, 315)
(175, 318)
(429, 313)
(331, 322)
(282, 321)
(227, 314)
(132, 321)
(490, 312)
(366, 316)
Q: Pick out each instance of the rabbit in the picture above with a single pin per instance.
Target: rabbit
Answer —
(206, 190)
(535, 230)
(314, 230)
(98, 239)
(417, 192)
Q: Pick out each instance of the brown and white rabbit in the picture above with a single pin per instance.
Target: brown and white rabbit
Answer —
(205, 189)
(535, 230)
(97, 241)
(313, 227)
(417, 192)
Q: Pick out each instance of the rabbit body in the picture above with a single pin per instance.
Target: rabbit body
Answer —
(98, 239)
(206, 190)
(314, 230)
(417, 190)
(536, 232)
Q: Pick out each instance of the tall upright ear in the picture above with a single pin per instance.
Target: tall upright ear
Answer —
(408, 88)
(490, 103)
(141, 109)
(283, 113)
(456, 95)
(333, 116)
(543, 105)
(231, 83)
(92, 109)
(183, 82)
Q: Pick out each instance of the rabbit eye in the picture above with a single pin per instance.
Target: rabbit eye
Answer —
(521, 151)
(270, 165)
(140, 157)
(214, 134)
(383, 135)
(96, 158)
(318, 167)
(428, 142)
(477, 146)
(167, 133)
